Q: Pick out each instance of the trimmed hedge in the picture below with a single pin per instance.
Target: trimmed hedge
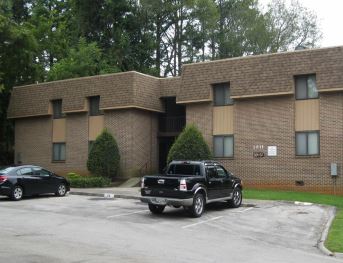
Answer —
(189, 145)
(78, 181)
(104, 158)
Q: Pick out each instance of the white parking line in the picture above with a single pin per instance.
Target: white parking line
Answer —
(127, 214)
(202, 222)
(245, 210)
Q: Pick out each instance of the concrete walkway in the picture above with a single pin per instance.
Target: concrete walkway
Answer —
(111, 192)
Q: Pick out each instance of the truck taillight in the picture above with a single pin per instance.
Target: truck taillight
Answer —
(3, 178)
(142, 183)
(183, 185)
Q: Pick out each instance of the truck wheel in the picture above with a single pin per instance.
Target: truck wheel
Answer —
(156, 209)
(236, 200)
(198, 206)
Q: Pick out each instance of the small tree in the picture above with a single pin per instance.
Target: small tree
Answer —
(189, 145)
(104, 157)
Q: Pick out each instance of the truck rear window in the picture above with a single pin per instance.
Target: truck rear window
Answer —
(185, 169)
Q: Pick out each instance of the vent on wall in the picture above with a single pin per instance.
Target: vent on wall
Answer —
(299, 183)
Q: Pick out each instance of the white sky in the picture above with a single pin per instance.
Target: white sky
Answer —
(330, 17)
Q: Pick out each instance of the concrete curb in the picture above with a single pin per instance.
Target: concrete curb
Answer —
(321, 242)
(102, 195)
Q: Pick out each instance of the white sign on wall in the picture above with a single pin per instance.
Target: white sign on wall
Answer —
(272, 151)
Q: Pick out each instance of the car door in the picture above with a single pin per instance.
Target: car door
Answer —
(44, 181)
(27, 180)
(227, 181)
(215, 184)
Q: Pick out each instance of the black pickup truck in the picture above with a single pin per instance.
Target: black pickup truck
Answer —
(191, 184)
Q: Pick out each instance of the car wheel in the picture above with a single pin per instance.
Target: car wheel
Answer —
(198, 206)
(156, 209)
(236, 200)
(61, 190)
(17, 193)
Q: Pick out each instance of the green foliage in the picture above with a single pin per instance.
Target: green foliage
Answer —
(84, 60)
(78, 181)
(190, 145)
(104, 157)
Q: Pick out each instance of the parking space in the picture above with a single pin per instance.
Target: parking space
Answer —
(92, 229)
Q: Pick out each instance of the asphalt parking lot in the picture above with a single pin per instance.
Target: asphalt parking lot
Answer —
(92, 229)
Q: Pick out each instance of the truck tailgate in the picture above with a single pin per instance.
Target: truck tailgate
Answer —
(165, 186)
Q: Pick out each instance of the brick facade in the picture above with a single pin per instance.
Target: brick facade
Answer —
(263, 115)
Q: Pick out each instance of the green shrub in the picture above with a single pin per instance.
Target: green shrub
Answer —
(103, 159)
(78, 181)
(189, 145)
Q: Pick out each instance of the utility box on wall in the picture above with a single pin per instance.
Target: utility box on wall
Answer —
(334, 169)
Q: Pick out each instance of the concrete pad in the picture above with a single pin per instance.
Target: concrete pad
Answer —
(94, 229)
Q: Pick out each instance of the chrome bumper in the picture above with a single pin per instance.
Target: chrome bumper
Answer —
(166, 201)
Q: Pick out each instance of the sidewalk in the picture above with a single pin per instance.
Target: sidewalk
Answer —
(113, 192)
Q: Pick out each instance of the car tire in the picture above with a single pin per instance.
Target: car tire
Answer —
(198, 207)
(17, 193)
(156, 209)
(236, 200)
(61, 190)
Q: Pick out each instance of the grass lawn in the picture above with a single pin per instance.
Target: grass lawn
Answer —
(334, 241)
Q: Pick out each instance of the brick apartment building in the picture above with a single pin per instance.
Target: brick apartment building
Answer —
(274, 120)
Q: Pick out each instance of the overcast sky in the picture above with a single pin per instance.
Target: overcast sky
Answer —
(330, 17)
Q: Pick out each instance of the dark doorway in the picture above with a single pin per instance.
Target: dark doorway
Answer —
(170, 124)
(164, 145)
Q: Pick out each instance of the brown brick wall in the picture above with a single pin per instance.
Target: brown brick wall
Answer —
(136, 135)
(134, 130)
(33, 141)
(262, 74)
(270, 122)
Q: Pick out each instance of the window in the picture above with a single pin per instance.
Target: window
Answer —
(40, 172)
(59, 152)
(221, 95)
(221, 171)
(94, 103)
(25, 171)
(305, 87)
(307, 143)
(223, 146)
(211, 172)
(57, 109)
(187, 169)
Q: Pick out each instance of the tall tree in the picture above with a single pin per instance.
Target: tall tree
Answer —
(119, 29)
(291, 26)
(83, 60)
(17, 52)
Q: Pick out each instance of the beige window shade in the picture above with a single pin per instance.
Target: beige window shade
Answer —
(223, 120)
(307, 115)
(59, 130)
(96, 125)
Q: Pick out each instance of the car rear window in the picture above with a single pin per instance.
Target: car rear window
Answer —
(7, 170)
(185, 169)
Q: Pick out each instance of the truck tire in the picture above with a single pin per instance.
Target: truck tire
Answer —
(156, 209)
(198, 206)
(236, 200)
